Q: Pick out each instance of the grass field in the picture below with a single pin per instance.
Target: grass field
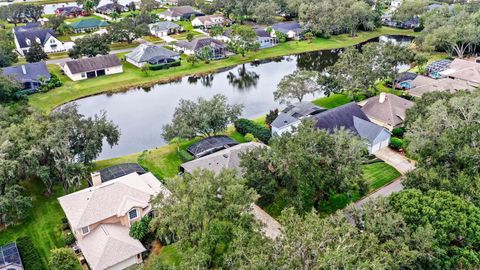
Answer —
(132, 76)
(379, 174)
(332, 101)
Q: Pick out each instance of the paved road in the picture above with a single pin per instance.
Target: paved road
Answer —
(399, 162)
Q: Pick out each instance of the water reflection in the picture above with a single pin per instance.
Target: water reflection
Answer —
(244, 79)
(141, 113)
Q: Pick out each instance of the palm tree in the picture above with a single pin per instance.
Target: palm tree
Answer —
(114, 15)
(88, 6)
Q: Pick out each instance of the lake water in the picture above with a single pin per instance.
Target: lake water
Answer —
(141, 113)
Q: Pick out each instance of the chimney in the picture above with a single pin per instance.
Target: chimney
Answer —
(96, 179)
(24, 70)
(382, 98)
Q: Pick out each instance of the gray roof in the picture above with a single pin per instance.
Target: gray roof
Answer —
(10, 257)
(28, 72)
(93, 63)
(28, 26)
(261, 33)
(119, 170)
(111, 6)
(295, 112)
(225, 159)
(199, 43)
(349, 117)
(405, 76)
(163, 26)
(32, 35)
(285, 27)
(181, 11)
(387, 108)
(145, 53)
(210, 145)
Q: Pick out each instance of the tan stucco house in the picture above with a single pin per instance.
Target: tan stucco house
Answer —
(100, 218)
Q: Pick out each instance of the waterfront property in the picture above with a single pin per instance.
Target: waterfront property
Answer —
(29, 75)
(219, 49)
(165, 28)
(293, 115)
(210, 145)
(293, 30)
(151, 55)
(209, 21)
(386, 110)
(26, 36)
(109, 8)
(100, 218)
(229, 158)
(86, 68)
(264, 39)
(88, 25)
(69, 11)
(179, 13)
(352, 118)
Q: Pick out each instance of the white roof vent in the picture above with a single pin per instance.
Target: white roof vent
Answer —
(383, 96)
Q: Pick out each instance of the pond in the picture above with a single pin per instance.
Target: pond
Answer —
(141, 113)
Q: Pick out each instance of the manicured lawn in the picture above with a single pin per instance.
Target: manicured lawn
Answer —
(134, 77)
(183, 35)
(332, 101)
(43, 223)
(379, 174)
(169, 255)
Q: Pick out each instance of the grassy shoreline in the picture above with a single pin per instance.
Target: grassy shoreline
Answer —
(134, 77)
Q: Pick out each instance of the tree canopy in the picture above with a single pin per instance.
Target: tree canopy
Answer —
(296, 86)
(201, 117)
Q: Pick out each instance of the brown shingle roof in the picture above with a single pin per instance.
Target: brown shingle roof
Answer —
(390, 111)
(93, 63)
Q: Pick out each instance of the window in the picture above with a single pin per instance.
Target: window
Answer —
(132, 214)
(85, 230)
(27, 41)
(52, 41)
(83, 74)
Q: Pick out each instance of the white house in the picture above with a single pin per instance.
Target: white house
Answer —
(178, 13)
(92, 67)
(293, 30)
(25, 37)
(165, 28)
(210, 21)
(100, 216)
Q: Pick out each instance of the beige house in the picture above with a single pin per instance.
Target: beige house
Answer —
(100, 218)
(209, 21)
(423, 84)
(386, 110)
(229, 159)
(86, 68)
(464, 70)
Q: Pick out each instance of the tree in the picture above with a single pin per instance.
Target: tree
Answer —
(139, 229)
(310, 165)
(55, 22)
(205, 54)
(190, 36)
(309, 36)
(201, 117)
(114, 15)
(216, 31)
(9, 88)
(14, 205)
(91, 46)
(64, 29)
(409, 9)
(129, 29)
(205, 215)
(63, 259)
(243, 39)
(148, 5)
(192, 59)
(7, 49)
(89, 6)
(265, 11)
(35, 53)
(296, 86)
(359, 14)
(454, 221)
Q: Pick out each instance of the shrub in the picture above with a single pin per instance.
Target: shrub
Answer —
(139, 229)
(396, 143)
(63, 259)
(398, 132)
(244, 126)
(271, 116)
(185, 156)
(31, 258)
(249, 137)
(69, 239)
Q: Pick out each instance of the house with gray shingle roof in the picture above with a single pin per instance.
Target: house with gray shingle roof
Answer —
(29, 75)
(165, 28)
(350, 117)
(151, 55)
(219, 49)
(86, 68)
(179, 13)
(25, 37)
(293, 30)
(100, 218)
(293, 115)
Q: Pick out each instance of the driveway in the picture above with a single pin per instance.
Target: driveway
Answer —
(399, 162)
(168, 39)
(396, 160)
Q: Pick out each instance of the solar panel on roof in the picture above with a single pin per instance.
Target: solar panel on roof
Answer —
(10, 256)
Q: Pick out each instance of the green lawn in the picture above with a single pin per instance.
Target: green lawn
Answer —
(379, 174)
(134, 77)
(332, 101)
(43, 222)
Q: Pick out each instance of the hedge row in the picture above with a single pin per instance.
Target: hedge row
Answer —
(31, 258)
(165, 66)
(244, 126)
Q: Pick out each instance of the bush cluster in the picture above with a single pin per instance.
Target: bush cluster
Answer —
(30, 255)
(244, 126)
(396, 143)
(69, 239)
(165, 66)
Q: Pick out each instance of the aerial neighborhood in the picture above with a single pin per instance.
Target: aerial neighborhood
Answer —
(240, 134)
